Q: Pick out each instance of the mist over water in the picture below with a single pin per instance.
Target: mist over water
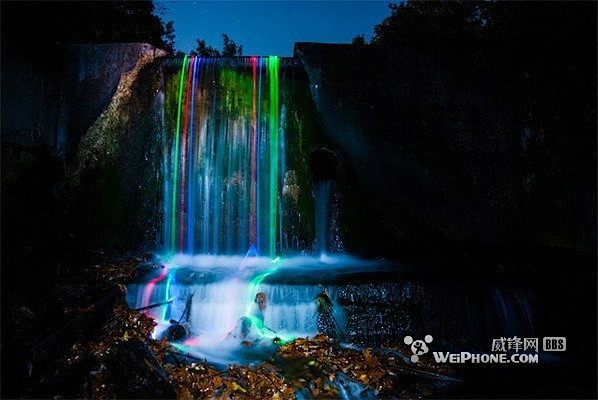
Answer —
(223, 290)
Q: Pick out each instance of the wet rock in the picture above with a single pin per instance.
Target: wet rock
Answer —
(326, 322)
(177, 332)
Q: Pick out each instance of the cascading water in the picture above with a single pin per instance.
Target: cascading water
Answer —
(224, 175)
(324, 168)
(222, 155)
(224, 167)
(322, 203)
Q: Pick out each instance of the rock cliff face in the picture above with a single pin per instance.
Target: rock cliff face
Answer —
(98, 79)
(93, 112)
(447, 142)
(117, 180)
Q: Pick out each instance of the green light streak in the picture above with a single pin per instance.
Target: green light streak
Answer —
(273, 63)
(167, 290)
(175, 159)
(254, 285)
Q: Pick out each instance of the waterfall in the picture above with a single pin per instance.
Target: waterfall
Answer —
(222, 155)
(322, 203)
(225, 182)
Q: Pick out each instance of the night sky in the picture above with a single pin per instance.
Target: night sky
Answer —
(272, 27)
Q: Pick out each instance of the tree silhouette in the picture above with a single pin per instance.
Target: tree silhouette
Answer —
(229, 48)
(203, 50)
(429, 22)
(359, 40)
(47, 24)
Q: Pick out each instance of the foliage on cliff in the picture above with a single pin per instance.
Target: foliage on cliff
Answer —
(518, 24)
(551, 43)
(49, 23)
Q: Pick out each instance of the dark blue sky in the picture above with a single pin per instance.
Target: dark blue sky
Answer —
(272, 27)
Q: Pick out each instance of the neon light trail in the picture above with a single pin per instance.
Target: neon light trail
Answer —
(223, 173)
(176, 153)
(222, 179)
(273, 71)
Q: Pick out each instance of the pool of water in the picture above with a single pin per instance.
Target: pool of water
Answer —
(374, 303)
